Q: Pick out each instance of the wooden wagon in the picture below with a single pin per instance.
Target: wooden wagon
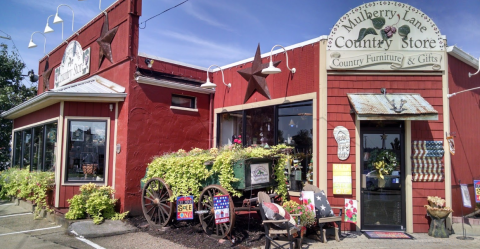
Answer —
(254, 174)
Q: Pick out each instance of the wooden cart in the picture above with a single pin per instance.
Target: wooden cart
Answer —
(254, 174)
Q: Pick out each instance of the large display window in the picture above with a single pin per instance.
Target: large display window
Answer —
(35, 147)
(86, 151)
(290, 124)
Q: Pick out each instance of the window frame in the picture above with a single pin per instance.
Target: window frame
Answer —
(22, 132)
(64, 162)
(193, 103)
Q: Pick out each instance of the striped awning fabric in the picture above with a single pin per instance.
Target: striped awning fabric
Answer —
(427, 161)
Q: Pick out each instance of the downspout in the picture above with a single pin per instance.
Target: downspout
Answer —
(210, 123)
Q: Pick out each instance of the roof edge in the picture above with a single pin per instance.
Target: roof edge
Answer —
(172, 85)
(291, 47)
(463, 56)
(171, 61)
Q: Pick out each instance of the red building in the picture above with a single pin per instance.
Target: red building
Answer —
(353, 96)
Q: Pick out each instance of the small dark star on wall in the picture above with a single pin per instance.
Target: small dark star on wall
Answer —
(255, 77)
(46, 76)
(105, 42)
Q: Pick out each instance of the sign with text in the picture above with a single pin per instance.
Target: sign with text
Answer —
(185, 207)
(342, 179)
(467, 202)
(385, 35)
(75, 64)
(221, 206)
(259, 173)
(476, 185)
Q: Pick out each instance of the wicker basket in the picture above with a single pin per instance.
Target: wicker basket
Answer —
(90, 168)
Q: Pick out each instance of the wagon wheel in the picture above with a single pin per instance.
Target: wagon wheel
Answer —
(157, 209)
(205, 202)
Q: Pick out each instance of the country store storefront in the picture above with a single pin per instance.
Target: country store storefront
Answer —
(378, 83)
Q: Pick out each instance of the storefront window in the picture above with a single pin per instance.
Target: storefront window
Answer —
(17, 152)
(295, 128)
(27, 146)
(290, 124)
(230, 128)
(35, 148)
(50, 146)
(38, 143)
(259, 129)
(86, 151)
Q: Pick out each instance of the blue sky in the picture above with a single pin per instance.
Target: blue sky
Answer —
(205, 32)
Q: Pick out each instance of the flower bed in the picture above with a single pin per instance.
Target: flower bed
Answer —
(32, 186)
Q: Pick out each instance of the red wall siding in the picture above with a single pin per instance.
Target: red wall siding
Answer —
(82, 109)
(155, 129)
(430, 87)
(117, 16)
(305, 80)
(49, 112)
(464, 120)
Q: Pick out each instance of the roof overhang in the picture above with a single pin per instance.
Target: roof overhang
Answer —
(370, 106)
(463, 56)
(93, 89)
(172, 85)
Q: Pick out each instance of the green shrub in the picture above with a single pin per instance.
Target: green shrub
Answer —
(32, 186)
(94, 201)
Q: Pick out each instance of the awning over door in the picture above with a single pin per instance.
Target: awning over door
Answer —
(370, 106)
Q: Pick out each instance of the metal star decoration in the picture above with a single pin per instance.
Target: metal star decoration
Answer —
(255, 77)
(104, 41)
(46, 76)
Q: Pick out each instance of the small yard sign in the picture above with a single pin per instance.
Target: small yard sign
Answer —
(221, 205)
(185, 207)
(476, 185)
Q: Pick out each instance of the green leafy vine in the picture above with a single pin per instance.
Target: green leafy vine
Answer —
(187, 172)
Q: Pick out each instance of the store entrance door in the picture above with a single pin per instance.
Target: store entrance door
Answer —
(382, 181)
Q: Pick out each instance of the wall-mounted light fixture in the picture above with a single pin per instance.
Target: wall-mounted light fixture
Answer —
(472, 74)
(210, 85)
(47, 28)
(292, 124)
(31, 44)
(57, 19)
(273, 70)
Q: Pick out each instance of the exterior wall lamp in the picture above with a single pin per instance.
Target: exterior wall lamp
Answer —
(210, 85)
(57, 19)
(47, 28)
(471, 89)
(274, 70)
(31, 44)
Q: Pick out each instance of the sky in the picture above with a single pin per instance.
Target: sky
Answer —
(220, 32)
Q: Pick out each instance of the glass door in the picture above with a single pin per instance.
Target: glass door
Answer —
(383, 175)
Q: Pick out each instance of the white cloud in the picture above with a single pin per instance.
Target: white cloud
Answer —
(202, 15)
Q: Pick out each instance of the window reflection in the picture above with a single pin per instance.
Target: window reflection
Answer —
(17, 153)
(230, 127)
(38, 143)
(259, 130)
(86, 150)
(27, 145)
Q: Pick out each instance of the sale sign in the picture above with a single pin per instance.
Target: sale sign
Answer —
(476, 186)
(221, 205)
(185, 207)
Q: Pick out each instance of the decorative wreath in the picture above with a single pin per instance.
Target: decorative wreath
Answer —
(383, 161)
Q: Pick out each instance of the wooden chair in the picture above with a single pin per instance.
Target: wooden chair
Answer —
(323, 221)
(272, 231)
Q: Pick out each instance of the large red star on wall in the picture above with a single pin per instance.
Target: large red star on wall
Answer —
(105, 42)
(46, 76)
(255, 77)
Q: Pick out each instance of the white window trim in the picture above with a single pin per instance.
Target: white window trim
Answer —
(183, 108)
(64, 154)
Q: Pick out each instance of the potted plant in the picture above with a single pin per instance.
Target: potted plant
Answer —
(306, 216)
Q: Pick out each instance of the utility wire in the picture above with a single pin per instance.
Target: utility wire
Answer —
(145, 22)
